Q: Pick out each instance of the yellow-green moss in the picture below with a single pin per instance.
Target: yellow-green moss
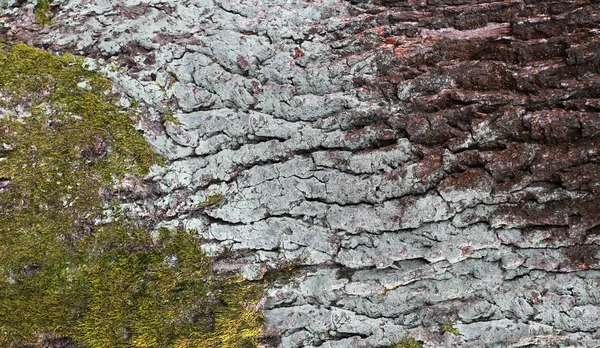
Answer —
(173, 75)
(213, 199)
(448, 326)
(42, 12)
(408, 342)
(169, 116)
(63, 274)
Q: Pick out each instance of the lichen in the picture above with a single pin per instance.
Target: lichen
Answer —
(64, 274)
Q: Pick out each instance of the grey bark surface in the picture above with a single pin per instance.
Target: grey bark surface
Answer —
(422, 160)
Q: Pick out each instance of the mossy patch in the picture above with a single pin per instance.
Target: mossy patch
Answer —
(213, 199)
(169, 116)
(62, 273)
(42, 13)
(408, 342)
(448, 327)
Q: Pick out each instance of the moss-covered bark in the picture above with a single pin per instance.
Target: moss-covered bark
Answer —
(61, 272)
(42, 12)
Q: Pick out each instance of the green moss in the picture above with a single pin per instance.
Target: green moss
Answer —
(165, 296)
(408, 342)
(62, 273)
(448, 326)
(42, 12)
(169, 116)
(213, 199)
(173, 75)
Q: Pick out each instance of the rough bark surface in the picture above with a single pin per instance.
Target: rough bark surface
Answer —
(421, 159)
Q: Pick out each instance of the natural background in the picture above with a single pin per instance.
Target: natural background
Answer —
(430, 167)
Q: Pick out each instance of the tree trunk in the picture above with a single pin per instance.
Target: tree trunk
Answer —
(424, 163)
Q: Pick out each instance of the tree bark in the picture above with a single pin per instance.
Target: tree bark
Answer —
(422, 161)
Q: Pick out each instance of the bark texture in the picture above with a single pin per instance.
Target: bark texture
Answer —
(422, 160)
